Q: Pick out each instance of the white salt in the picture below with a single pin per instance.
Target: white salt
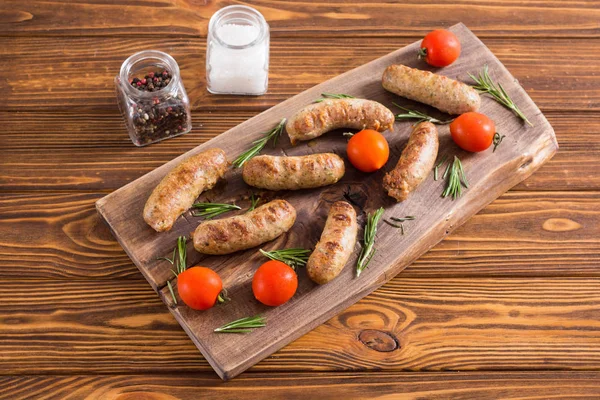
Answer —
(237, 35)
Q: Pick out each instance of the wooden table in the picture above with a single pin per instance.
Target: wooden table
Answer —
(507, 306)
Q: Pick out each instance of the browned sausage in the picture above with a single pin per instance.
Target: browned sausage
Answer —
(178, 190)
(336, 245)
(416, 161)
(291, 173)
(318, 118)
(228, 235)
(439, 91)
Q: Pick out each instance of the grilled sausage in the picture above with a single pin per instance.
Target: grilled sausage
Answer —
(416, 161)
(439, 91)
(318, 118)
(178, 190)
(336, 244)
(228, 235)
(291, 173)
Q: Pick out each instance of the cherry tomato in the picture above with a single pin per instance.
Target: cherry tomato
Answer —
(440, 48)
(473, 131)
(368, 150)
(274, 283)
(199, 287)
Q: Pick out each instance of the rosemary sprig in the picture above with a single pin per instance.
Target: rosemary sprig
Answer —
(179, 265)
(253, 202)
(368, 250)
(260, 144)
(326, 96)
(243, 325)
(456, 180)
(484, 84)
(211, 210)
(497, 140)
(435, 169)
(419, 116)
(294, 257)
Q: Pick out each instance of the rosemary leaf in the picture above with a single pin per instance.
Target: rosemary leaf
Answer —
(391, 224)
(253, 202)
(446, 171)
(368, 250)
(485, 84)
(260, 144)
(326, 96)
(294, 257)
(419, 116)
(211, 210)
(497, 140)
(435, 169)
(456, 180)
(172, 292)
(401, 220)
(407, 218)
(171, 260)
(179, 264)
(243, 325)
(182, 251)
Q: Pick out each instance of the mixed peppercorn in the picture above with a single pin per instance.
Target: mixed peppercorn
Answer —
(160, 116)
(152, 82)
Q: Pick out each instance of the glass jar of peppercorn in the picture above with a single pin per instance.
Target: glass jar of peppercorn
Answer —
(152, 98)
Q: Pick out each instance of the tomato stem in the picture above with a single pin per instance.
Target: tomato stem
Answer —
(222, 297)
(422, 53)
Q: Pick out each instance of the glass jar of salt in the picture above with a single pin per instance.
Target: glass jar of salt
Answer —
(237, 52)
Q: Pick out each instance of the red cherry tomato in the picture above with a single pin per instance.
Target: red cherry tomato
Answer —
(440, 48)
(368, 150)
(274, 283)
(199, 287)
(473, 131)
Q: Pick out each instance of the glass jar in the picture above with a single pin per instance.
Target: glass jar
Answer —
(152, 98)
(237, 52)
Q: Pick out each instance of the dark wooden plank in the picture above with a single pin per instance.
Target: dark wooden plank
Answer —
(490, 175)
(440, 324)
(323, 18)
(77, 72)
(60, 236)
(433, 386)
(88, 151)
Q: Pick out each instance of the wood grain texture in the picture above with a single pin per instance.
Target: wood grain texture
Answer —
(61, 131)
(76, 73)
(542, 234)
(438, 324)
(72, 151)
(489, 177)
(402, 386)
(307, 18)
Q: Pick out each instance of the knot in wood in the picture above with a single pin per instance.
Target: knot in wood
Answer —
(379, 340)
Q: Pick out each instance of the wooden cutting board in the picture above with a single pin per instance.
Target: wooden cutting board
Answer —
(523, 151)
